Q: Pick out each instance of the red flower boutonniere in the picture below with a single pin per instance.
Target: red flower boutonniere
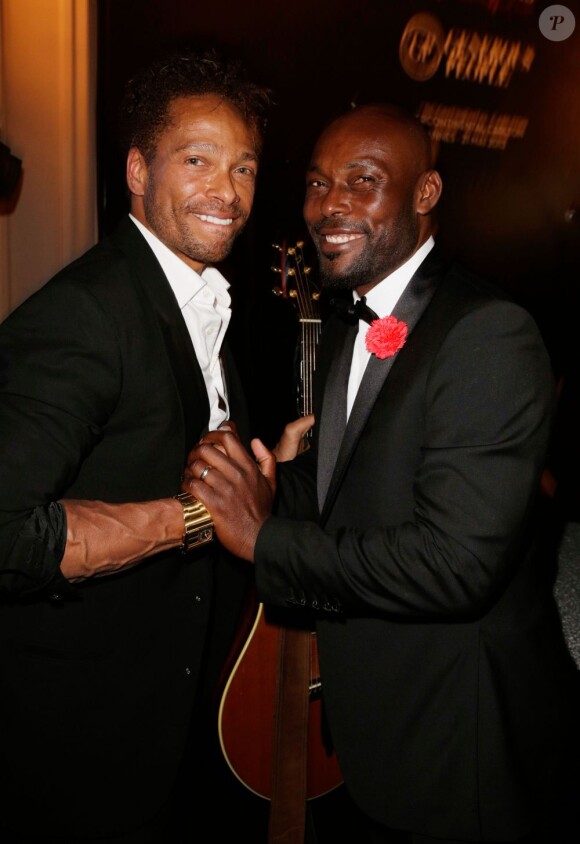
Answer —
(386, 336)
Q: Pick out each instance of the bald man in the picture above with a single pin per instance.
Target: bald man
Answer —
(409, 526)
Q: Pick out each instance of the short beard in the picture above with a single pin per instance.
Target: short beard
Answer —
(173, 232)
(377, 260)
(356, 276)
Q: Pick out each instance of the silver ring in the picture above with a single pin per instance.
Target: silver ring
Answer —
(205, 473)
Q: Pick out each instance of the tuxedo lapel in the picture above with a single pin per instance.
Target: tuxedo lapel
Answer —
(333, 417)
(409, 309)
(235, 393)
(184, 364)
(188, 377)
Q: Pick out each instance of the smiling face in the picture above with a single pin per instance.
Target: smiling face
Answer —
(196, 191)
(369, 193)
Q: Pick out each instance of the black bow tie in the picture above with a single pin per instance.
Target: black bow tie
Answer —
(354, 311)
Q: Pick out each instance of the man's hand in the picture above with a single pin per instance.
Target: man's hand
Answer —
(237, 489)
(293, 440)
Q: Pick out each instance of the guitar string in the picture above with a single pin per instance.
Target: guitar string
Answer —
(310, 323)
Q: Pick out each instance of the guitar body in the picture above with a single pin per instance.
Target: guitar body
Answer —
(247, 715)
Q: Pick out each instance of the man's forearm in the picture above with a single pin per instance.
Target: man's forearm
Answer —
(104, 538)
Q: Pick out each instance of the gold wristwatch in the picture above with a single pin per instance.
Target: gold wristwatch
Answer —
(197, 523)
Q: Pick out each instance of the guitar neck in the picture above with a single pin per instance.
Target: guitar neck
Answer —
(310, 328)
(299, 289)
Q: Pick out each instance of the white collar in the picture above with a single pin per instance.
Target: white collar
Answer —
(383, 297)
(184, 280)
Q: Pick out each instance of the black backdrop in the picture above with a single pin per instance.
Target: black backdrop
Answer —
(503, 212)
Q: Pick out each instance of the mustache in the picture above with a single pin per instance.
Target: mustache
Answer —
(214, 208)
(340, 224)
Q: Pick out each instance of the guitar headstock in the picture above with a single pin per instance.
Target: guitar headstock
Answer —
(296, 283)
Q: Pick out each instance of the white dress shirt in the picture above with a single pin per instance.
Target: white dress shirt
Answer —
(205, 304)
(382, 298)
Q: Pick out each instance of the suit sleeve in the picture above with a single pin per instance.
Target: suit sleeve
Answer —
(60, 380)
(486, 414)
(296, 490)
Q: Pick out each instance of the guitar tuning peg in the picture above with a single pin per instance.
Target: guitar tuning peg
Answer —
(315, 296)
(277, 246)
(292, 293)
(299, 244)
(276, 269)
(292, 250)
(306, 270)
(292, 271)
(277, 291)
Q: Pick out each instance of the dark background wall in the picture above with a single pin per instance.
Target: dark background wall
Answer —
(503, 212)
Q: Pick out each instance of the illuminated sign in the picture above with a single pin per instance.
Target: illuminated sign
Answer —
(467, 55)
(471, 126)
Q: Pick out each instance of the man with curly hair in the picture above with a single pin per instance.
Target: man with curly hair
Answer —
(112, 371)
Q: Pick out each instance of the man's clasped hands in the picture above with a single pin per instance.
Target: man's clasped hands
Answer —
(237, 488)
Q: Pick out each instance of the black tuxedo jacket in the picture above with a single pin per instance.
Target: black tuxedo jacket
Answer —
(443, 665)
(102, 399)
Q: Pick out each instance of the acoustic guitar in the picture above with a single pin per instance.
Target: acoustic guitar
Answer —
(261, 691)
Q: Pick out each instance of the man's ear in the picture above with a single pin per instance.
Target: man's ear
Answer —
(136, 172)
(429, 188)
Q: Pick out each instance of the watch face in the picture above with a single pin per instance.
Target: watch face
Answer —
(198, 524)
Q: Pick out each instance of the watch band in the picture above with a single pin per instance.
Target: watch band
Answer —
(197, 523)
